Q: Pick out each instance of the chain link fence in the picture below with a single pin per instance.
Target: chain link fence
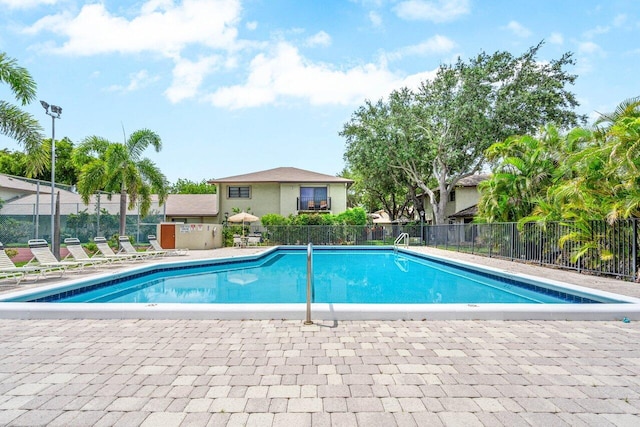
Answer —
(76, 220)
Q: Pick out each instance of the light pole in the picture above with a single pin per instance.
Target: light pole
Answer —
(421, 227)
(55, 114)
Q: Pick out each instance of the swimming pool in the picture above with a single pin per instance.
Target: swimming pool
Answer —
(359, 283)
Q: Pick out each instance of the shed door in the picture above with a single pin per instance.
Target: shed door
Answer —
(168, 236)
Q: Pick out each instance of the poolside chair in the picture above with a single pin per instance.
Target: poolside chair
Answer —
(8, 269)
(43, 257)
(105, 251)
(155, 246)
(237, 241)
(77, 253)
(253, 240)
(127, 248)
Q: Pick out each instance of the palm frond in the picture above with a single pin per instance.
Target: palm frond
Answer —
(21, 126)
(18, 78)
(140, 140)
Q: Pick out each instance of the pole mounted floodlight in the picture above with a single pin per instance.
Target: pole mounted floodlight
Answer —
(55, 114)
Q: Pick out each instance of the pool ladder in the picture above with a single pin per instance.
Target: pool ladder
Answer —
(309, 283)
(402, 239)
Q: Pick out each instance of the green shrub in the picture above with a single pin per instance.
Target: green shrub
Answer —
(11, 252)
(274, 219)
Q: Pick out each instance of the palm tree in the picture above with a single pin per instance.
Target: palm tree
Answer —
(525, 167)
(14, 122)
(119, 168)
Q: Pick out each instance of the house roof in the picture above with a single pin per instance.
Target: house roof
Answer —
(471, 211)
(192, 205)
(283, 174)
(20, 185)
(473, 180)
(185, 205)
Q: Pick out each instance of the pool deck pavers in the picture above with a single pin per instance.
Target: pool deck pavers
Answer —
(80, 372)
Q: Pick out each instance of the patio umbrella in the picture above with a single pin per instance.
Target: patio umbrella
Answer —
(242, 217)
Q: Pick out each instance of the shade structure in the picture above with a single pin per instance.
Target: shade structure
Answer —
(242, 217)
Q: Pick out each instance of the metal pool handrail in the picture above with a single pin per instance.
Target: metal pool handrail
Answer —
(403, 239)
(309, 282)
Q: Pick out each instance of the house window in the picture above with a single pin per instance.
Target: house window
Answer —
(313, 198)
(239, 192)
(452, 196)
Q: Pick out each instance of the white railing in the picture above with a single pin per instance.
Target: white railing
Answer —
(402, 240)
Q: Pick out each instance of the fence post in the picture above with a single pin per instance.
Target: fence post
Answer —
(540, 244)
(473, 238)
(512, 240)
(634, 249)
(490, 239)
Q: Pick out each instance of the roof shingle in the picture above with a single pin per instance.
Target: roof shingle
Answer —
(283, 174)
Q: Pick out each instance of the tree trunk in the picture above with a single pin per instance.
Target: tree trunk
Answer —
(123, 212)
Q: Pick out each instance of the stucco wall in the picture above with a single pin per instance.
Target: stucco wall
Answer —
(196, 236)
(289, 194)
(338, 194)
(466, 197)
(193, 220)
(264, 199)
(278, 198)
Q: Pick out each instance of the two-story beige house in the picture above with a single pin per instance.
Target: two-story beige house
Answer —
(463, 200)
(283, 191)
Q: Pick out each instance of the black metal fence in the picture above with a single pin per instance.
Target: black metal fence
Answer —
(335, 234)
(595, 247)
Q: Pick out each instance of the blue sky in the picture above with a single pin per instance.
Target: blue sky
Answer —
(237, 86)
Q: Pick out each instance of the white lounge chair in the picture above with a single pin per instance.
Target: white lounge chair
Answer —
(105, 251)
(155, 246)
(43, 257)
(77, 253)
(127, 248)
(8, 270)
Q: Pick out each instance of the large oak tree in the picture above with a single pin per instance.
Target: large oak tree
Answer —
(437, 135)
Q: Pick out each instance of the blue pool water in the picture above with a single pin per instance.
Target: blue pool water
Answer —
(340, 276)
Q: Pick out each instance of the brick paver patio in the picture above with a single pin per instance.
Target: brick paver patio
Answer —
(345, 373)
(282, 373)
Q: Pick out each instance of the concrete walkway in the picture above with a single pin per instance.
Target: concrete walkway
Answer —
(347, 373)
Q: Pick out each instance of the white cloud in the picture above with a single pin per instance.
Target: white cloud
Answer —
(556, 38)
(375, 18)
(436, 44)
(160, 27)
(188, 76)
(432, 10)
(319, 39)
(620, 20)
(589, 48)
(284, 74)
(137, 81)
(26, 4)
(596, 31)
(518, 29)
(251, 26)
